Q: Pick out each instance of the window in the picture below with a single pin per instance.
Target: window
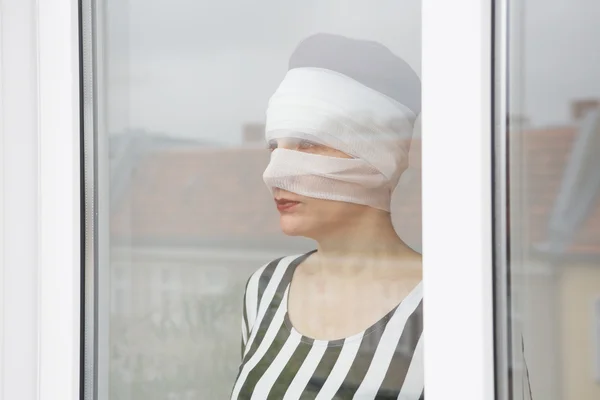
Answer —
(548, 198)
(175, 84)
(184, 219)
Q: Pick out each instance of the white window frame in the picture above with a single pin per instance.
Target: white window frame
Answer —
(595, 338)
(19, 172)
(59, 200)
(40, 198)
(457, 199)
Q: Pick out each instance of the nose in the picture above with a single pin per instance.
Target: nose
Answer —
(287, 143)
(278, 192)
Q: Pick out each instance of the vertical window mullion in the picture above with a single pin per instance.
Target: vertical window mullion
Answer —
(457, 199)
(59, 199)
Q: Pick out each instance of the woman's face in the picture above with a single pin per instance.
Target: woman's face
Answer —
(306, 216)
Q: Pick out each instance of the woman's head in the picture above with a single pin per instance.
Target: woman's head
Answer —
(339, 127)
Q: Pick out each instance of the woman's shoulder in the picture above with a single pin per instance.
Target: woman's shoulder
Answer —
(265, 282)
(269, 272)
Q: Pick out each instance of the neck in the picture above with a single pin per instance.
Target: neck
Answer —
(368, 240)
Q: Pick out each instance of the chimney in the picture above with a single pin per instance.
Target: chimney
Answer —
(580, 107)
(253, 133)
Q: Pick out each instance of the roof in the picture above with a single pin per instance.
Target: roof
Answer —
(215, 197)
(545, 155)
(211, 196)
(556, 179)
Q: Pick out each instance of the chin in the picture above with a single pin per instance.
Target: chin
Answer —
(294, 225)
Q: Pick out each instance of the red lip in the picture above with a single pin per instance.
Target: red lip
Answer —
(285, 204)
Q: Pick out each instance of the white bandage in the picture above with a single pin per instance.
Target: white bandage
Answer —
(334, 110)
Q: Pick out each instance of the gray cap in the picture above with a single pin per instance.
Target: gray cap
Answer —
(367, 62)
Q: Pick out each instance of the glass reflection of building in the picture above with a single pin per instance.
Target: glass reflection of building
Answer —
(185, 214)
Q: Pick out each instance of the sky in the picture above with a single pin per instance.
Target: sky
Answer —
(201, 69)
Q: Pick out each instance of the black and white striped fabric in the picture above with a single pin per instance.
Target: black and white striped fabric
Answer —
(383, 362)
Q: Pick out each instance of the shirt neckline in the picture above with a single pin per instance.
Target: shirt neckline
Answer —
(379, 325)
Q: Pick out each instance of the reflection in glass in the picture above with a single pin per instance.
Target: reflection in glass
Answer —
(184, 86)
(554, 196)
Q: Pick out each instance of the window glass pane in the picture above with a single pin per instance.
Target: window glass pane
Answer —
(183, 91)
(553, 197)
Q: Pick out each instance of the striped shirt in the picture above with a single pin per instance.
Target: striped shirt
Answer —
(383, 362)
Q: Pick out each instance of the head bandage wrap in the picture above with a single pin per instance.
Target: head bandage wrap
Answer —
(332, 109)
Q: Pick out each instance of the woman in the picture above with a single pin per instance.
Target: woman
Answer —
(344, 320)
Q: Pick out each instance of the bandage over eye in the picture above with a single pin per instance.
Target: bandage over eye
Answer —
(334, 110)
